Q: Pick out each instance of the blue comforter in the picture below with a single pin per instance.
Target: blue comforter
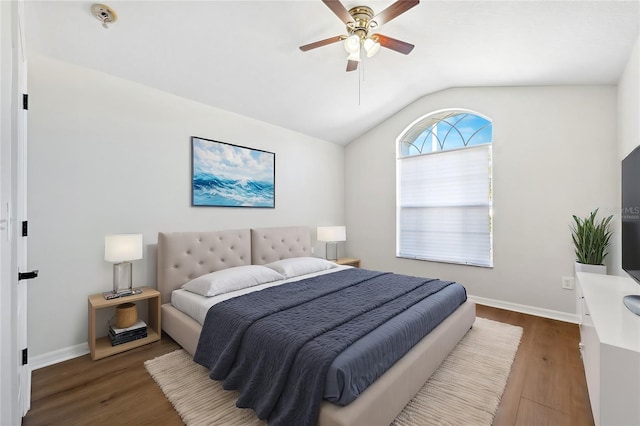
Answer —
(275, 346)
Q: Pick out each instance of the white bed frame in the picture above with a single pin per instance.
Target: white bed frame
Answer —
(183, 256)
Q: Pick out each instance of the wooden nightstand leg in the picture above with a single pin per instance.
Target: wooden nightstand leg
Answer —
(92, 331)
(154, 313)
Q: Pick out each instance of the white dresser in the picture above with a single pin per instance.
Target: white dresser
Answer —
(610, 346)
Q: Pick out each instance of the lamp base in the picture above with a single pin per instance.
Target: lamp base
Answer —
(122, 277)
(108, 295)
(332, 251)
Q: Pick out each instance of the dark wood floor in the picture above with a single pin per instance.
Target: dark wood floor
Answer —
(546, 387)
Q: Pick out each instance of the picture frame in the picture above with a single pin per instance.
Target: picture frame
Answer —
(228, 175)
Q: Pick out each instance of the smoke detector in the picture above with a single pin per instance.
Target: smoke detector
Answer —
(104, 14)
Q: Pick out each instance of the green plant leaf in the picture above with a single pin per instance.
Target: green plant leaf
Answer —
(591, 238)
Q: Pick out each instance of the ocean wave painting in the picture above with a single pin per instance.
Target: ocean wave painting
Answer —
(227, 175)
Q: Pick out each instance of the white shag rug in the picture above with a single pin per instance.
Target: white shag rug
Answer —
(465, 390)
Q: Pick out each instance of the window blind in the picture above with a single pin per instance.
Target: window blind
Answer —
(444, 206)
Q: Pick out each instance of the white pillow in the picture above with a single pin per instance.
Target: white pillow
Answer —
(296, 266)
(231, 279)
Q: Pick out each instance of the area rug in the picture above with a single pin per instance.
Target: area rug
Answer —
(465, 390)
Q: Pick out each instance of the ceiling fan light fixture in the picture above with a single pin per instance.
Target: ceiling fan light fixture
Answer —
(359, 21)
(371, 46)
(352, 44)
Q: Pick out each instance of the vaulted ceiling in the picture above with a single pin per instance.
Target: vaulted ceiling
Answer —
(243, 56)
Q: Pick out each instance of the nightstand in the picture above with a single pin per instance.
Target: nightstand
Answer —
(101, 347)
(348, 261)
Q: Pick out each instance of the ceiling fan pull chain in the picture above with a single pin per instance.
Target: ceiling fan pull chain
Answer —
(359, 87)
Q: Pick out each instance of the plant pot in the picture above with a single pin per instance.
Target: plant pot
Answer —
(592, 269)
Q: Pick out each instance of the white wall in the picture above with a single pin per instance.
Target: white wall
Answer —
(629, 104)
(554, 155)
(111, 156)
(628, 131)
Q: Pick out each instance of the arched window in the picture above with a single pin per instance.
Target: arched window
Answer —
(444, 191)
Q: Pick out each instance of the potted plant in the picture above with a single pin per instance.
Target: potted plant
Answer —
(590, 240)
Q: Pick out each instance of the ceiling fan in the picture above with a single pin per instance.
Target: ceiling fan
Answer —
(359, 21)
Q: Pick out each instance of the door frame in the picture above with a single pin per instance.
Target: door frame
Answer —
(20, 166)
(20, 91)
(15, 378)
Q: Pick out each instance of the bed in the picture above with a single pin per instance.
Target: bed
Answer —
(183, 256)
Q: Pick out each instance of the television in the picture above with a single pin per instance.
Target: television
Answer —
(631, 223)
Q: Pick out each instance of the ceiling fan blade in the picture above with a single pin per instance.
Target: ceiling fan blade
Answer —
(340, 11)
(393, 44)
(395, 10)
(352, 65)
(321, 43)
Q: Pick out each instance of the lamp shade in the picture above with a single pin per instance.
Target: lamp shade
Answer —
(122, 247)
(371, 47)
(332, 233)
(352, 44)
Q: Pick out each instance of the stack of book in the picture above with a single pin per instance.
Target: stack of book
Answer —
(119, 336)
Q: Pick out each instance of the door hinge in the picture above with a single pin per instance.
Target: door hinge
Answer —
(25, 101)
(25, 228)
(25, 356)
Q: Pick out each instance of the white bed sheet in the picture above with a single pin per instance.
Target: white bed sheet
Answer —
(197, 306)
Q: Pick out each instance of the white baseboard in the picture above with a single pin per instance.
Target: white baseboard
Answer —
(57, 356)
(530, 310)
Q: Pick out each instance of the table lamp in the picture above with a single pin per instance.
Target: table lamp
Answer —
(331, 235)
(120, 250)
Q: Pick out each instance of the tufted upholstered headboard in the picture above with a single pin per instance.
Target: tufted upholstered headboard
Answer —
(183, 256)
(271, 244)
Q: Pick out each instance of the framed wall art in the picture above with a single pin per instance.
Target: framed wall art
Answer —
(227, 175)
